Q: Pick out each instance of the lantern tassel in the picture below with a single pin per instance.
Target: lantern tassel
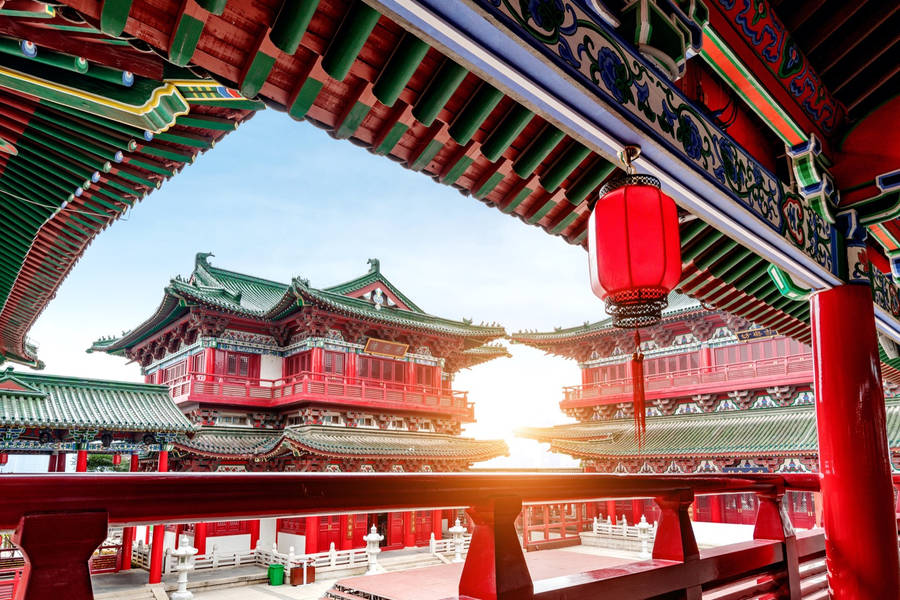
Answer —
(637, 385)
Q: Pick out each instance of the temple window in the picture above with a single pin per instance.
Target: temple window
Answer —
(233, 420)
(381, 369)
(332, 419)
(367, 422)
(426, 426)
(425, 375)
(397, 425)
(237, 364)
(298, 363)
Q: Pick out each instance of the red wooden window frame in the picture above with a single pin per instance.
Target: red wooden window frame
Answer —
(237, 364)
(369, 367)
(298, 363)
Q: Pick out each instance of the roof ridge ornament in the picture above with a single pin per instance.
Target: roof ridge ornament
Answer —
(374, 265)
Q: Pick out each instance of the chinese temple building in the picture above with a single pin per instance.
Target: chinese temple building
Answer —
(290, 378)
(723, 396)
(54, 415)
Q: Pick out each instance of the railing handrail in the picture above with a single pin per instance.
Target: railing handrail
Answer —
(154, 498)
(754, 365)
(341, 379)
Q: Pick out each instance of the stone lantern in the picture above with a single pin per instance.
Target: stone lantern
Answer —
(644, 534)
(457, 531)
(373, 549)
(185, 555)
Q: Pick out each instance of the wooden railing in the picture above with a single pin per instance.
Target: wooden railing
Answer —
(78, 509)
(771, 371)
(327, 388)
(9, 582)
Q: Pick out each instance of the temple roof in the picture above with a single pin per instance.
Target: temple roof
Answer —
(57, 402)
(679, 305)
(340, 442)
(252, 297)
(766, 431)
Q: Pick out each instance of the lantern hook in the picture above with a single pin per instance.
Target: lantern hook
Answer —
(628, 155)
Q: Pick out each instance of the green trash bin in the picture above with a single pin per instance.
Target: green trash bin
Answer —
(276, 574)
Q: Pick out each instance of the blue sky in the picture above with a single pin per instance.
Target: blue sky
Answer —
(279, 206)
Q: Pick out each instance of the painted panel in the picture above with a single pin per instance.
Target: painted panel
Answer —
(586, 48)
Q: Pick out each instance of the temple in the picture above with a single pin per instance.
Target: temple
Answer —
(281, 377)
(724, 396)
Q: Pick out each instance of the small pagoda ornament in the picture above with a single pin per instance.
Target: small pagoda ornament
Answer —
(634, 249)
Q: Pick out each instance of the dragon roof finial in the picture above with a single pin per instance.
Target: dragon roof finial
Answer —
(374, 265)
(202, 258)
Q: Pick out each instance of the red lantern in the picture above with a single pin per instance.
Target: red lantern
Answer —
(117, 459)
(634, 248)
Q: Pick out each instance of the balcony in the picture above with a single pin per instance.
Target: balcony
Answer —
(334, 390)
(61, 519)
(785, 370)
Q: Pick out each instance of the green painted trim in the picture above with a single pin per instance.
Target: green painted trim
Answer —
(498, 140)
(515, 202)
(427, 154)
(184, 40)
(561, 226)
(399, 68)
(563, 166)
(473, 114)
(457, 170)
(206, 122)
(435, 96)
(488, 187)
(256, 74)
(786, 285)
(113, 16)
(349, 39)
(352, 121)
(305, 98)
(216, 7)
(590, 179)
(542, 145)
(390, 140)
(290, 24)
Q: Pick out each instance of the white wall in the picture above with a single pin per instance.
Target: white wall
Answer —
(26, 463)
(228, 543)
(286, 540)
(267, 532)
(269, 366)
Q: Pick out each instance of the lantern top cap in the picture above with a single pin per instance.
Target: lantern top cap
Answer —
(627, 179)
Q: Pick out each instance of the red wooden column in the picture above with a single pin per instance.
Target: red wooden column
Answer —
(346, 528)
(317, 361)
(312, 535)
(437, 526)
(128, 532)
(637, 509)
(159, 531)
(611, 510)
(51, 466)
(495, 567)
(61, 459)
(81, 463)
(254, 533)
(675, 535)
(409, 529)
(715, 508)
(200, 539)
(854, 459)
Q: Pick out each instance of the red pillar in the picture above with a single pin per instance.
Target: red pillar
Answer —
(156, 553)
(200, 538)
(159, 531)
(312, 535)
(209, 361)
(317, 361)
(127, 543)
(437, 527)
(854, 459)
(51, 466)
(637, 509)
(611, 510)
(345, 526)
(254, 533)
(715, 508)
(409, 529)
(81, 464)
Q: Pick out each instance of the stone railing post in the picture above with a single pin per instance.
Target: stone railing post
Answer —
(58, 543)
(332, 555)
(774, 523)
(495, 567)
(675, 536)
